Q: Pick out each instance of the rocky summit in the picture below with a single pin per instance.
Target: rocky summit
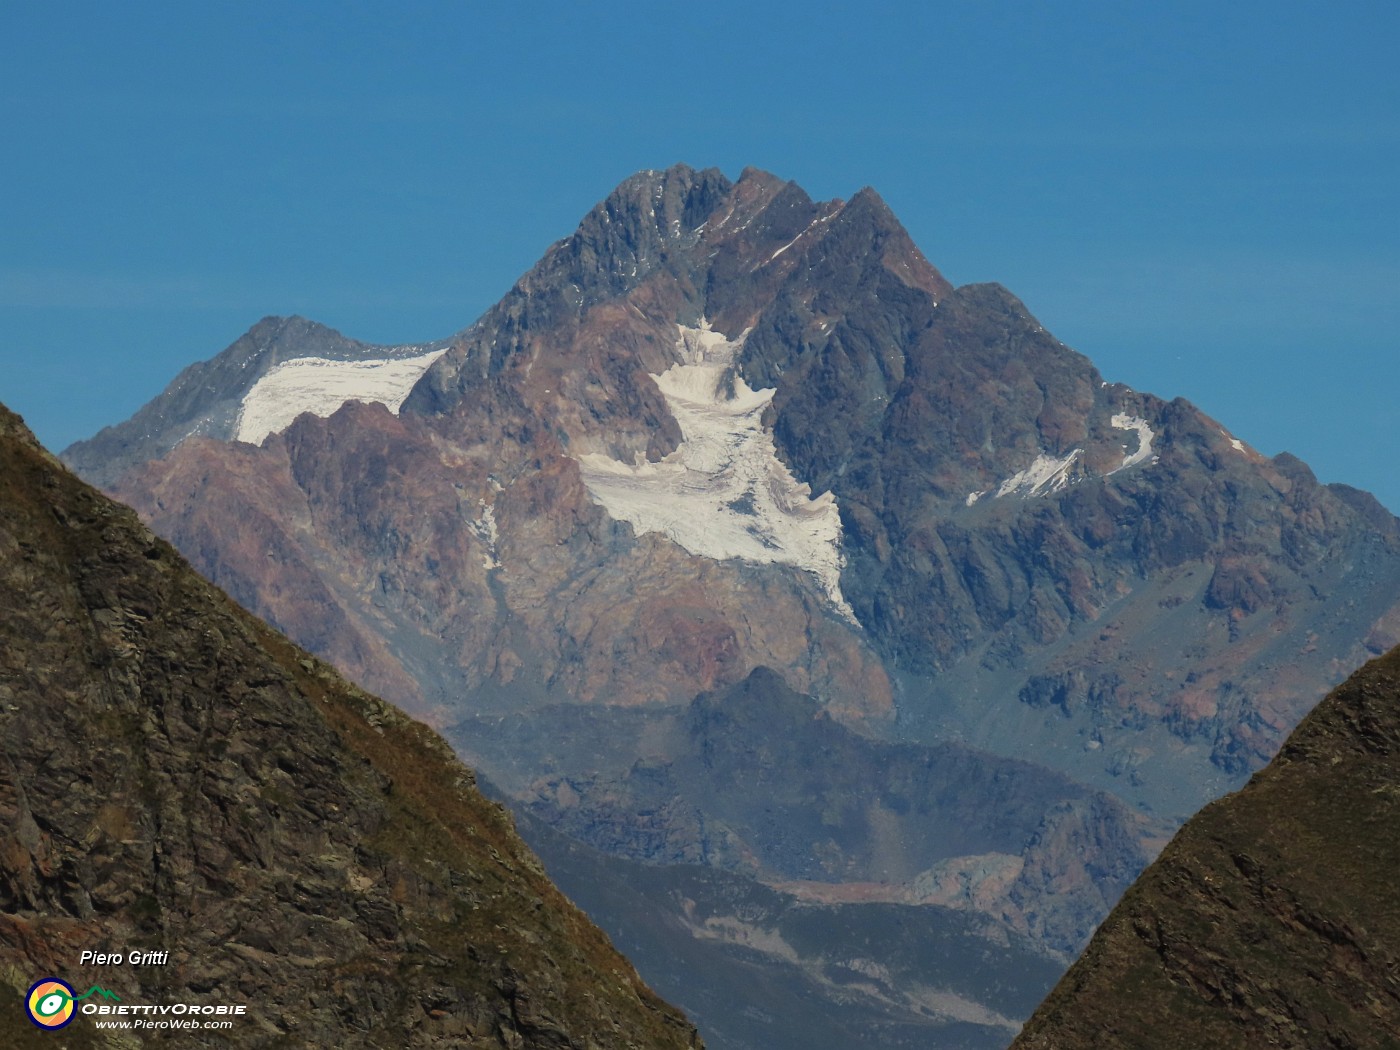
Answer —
(1273, 918)
(181, 782)
(724, 430)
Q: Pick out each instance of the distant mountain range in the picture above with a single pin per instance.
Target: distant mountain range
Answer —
(736, 537)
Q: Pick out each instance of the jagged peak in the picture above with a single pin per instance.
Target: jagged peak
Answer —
(868, 206)
(206, 397)
(870, 196)
(873, 222)
(276, 332)
(752, 176)
(1294, 467)
(678, 195)
(279, 322)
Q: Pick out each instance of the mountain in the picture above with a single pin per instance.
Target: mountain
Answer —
(723, 428)
(759, 780)
(763, 969)
(241, 393)
(1273, 918)
(179, 778)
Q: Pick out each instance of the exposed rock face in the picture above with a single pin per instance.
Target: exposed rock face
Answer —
(1034, 564)
(176, 776)
(1273, 917)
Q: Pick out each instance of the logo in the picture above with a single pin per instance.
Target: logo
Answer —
(50, 1001)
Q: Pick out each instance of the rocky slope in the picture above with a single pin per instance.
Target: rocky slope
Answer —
(1273, 918)
(178, 777)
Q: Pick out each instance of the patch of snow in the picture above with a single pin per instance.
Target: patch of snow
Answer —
(319, 386)
(484, 529)
(808, 229)
(723, 493)
(786, 247)
(973, 497)
(1046, 475)
(1235, 443)
(1122, 421)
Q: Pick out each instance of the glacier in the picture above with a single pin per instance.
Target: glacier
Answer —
(320, 386)
(723, 493)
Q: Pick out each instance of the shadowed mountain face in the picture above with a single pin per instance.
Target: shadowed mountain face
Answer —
(761, 781)
(721, 428)
(178, 777)
(762, 969)
(1273, 918)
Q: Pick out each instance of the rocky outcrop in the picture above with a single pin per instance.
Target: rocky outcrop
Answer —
(177, 777)
(1273, 918)
(479, 562)
(1009, 515)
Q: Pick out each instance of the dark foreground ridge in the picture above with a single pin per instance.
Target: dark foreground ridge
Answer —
(1273, 918)
(175, 776)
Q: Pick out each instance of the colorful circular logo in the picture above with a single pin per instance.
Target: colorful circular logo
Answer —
(50, 1003)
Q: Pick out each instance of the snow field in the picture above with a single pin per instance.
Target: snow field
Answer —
(320, 386)
(723, 493)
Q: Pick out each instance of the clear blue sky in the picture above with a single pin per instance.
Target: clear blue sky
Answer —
(1204, 198)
